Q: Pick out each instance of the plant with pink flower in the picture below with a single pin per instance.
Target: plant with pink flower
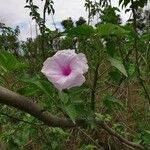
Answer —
(66, 69)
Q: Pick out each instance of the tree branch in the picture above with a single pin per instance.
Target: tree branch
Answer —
(10, 98)
(22, 103)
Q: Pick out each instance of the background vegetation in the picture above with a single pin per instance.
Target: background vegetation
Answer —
(117, 84)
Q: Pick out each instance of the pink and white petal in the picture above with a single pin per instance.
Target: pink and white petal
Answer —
(74, 65)
(54, 77)
(83, 62)
(63, 82)
(79, 65)
(58, 86)
(65, 58)
(82, 57)
(51, 67)
(58, 81)
(78, 81)
(74, 79)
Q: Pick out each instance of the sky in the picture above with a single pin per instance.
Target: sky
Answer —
(13, 13)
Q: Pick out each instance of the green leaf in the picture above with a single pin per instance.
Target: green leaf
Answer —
(88, 147)
(146, 137)
(99, 116)
(118, 64)
(131, 69)
(64, 97)
(60, 132)
(105, 117)
(8, 62)
(115, 75)
(68, 106)
(111, 30)
(111, 46)
(81, 31)
(145, 37)
(41, 85)
(28, 91)
(111, 102)
(71, 111)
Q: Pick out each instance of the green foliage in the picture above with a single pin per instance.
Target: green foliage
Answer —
(88, 147)
(48, 8)
(81, 31)
(143, 137)
(109, 15)
(117, 64)
(81, 21)
(118, 59)
(111, 46)
(41, 85)
(115, 75)
(8, 63)
(111, 102)
(67, 24)
(9, 38)
(67, 43)
(138, 3)
(105, 117)
(68, 106)
(111, 30)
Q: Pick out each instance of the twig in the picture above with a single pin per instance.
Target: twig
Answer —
(18, 119)
(90, 138)
(94, 86)
(119, 137)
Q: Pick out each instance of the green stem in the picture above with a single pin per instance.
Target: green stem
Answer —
(43, 33)
(94, 86)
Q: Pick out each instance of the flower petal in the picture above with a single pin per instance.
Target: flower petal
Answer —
(51, 67)
(64, 57)
(79, 63)
(66, 82)
(83, 62)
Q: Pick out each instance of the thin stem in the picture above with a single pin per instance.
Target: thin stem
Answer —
(89, 14)
(94, 86)
(119, 137)
(43, 32)
(90, 138)
(18, 119)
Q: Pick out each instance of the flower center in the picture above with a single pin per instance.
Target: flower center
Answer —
(66, 70)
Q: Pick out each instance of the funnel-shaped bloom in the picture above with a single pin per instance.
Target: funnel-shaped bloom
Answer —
(65, 69)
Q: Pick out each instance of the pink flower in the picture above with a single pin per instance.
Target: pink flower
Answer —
(65, 69)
